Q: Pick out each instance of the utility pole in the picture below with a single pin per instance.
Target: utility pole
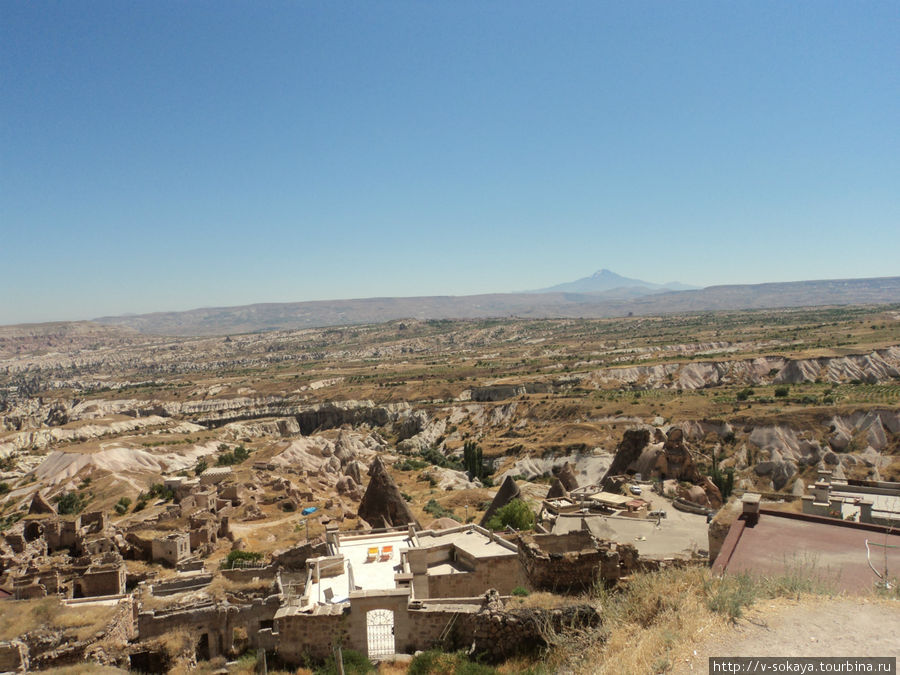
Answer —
(339, 660)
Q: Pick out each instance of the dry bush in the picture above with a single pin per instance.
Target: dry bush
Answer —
(177, 642)
(656, 619)
(543, 600)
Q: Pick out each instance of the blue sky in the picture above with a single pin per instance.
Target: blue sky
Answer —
(171, 155)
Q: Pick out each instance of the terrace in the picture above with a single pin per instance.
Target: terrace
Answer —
(366, 562)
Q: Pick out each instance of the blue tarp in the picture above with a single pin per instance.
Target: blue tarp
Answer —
(308, 510)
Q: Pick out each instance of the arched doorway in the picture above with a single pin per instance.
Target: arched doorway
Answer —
(203, 652)
(380, 633)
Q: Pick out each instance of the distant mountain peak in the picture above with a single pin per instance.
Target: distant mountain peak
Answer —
(605, 280)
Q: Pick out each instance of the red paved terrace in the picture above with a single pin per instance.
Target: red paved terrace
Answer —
(832, 549)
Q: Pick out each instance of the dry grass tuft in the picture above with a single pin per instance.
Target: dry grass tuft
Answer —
(543, 600)
(654, 621)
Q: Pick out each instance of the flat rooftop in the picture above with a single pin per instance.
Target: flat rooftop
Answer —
(468, 540)
(679, 533)
(377, 574)
(832, 551)
(889, 503)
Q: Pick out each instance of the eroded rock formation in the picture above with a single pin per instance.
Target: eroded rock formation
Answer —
(382, 504)
(507, 492)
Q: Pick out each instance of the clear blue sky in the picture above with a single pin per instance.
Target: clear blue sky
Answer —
(172, 155)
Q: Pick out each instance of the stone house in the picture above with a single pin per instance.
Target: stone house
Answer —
(383, 592)
(172, 549)
(204, 530)
(104, 576)
(233, 492)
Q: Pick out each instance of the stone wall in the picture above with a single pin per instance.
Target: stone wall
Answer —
(179, 585)
(13, 656)
(107, 646)
(496, 632)
(503, 573)
(101, 580)
(245, 574)
(573, 562)
(301, 636)
(294, 559)
(218, 621)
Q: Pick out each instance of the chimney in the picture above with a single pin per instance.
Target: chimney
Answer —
(750, 504)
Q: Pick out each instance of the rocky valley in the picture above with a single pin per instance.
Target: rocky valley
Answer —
(261, 447)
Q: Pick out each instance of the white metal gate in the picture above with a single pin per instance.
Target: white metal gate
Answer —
(380, 633)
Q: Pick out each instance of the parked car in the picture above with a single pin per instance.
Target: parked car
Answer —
(635, 489)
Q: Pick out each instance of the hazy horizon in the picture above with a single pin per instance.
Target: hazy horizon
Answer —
(173, 156)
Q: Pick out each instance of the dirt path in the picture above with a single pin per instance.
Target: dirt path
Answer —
(812, 627)
(241, 529)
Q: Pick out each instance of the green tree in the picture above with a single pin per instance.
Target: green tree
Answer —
(70, 502)
(201, 467)
(723, 481)
(473, 460)
(516, 514)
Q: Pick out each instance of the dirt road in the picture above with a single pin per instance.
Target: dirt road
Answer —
(812, 627)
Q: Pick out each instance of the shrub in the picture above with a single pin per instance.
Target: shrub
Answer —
(354, 664)
(781, 392)
(436, 457)
(70, 502)
(516, 514)
(160, 491)
(410, 464)
(729, 595)
(240, 557)
(435, 662)
(744, 394)
(122, 505)
(232, 457)
(438, 511)
(4, 488)
(520, 591)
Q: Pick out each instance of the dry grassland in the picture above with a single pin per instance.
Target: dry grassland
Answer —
(80, 621)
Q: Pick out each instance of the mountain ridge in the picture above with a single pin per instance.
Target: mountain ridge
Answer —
(319, 313)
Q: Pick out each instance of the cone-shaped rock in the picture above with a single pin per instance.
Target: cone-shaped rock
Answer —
(567, 477)
(40, 505)
(633, 443)
(507, 492)
(557, 490)
(382, 502)
(354, 469)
